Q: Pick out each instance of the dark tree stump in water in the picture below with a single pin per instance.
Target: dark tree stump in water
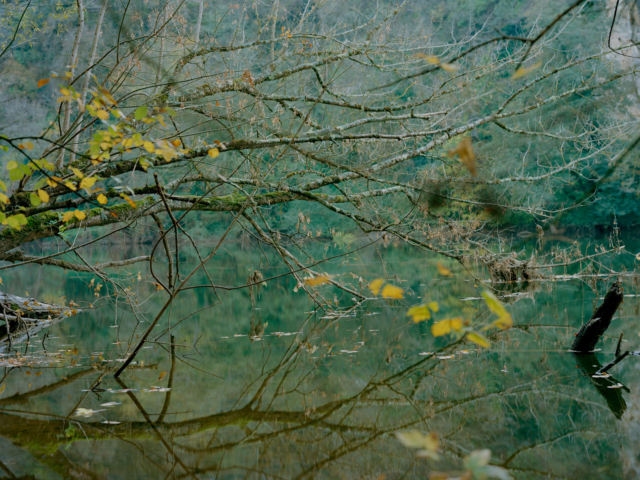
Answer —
(590, 332)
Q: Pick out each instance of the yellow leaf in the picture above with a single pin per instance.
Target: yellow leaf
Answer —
(319, 280)
(503, 323)
(4, 198)
(67, 216)
(25, 146)
(102, 114)
(44, 196)
(3, 186)
(149, 147)
(390, 291)
(419, 313)
(102, 199)
(444, 271)
(432, 59)
(213, 152)
(80, 215)
(176, 143)
(127, 142)
(77, 172)
(478, 339)
(376, 285)
(42, 82)
(521, 72)
(12, 165)
(70, 185)
(447, 67)
(433, 306)
(494, 304)
(162, 375)
(444, 327)
(416, 439)
(129, 201)
(466, 155)
(4, 385)
(88, 182)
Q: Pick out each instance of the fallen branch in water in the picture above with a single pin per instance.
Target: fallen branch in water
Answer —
(589, 334)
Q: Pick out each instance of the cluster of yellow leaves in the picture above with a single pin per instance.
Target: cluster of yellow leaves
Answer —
(286, 34)
(433, 60)
(422, 312)
(389, 291)
(80, 215)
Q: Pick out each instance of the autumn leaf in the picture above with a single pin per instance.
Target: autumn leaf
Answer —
(390, 291)
(88, 182)
(102, 114)
(102, 199)
(432, 59)
(428, 444)
(149, 147)
(504, 320)
(176, 143)
(67, 216)
(42, 82)
(444, 327)
(44, 196)
(316, 281)
(522, 71)
(213, 152)
(80, 215)
(129, 201)
(478, 339)
(376, 285)
(419, 313)
(433, 306)
(465, 153)
(77, 172)
(25, 146)
(444, 271)
(162, 375)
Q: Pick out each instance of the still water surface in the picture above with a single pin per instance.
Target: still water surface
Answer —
(276, 390)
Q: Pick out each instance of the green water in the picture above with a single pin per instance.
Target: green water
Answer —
(311, 396)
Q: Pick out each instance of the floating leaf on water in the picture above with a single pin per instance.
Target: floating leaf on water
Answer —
(86, 412)
(376, 285)
(156, 389)
(391, 291)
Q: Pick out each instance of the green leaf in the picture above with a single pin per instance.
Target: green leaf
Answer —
(141, 112)
(4, 147)
(3, 186)
(35, 200)
(25, 169)
(15, 174)
(12, 165)
(41, 183)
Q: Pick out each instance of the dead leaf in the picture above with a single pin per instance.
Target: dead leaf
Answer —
(466, 155)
